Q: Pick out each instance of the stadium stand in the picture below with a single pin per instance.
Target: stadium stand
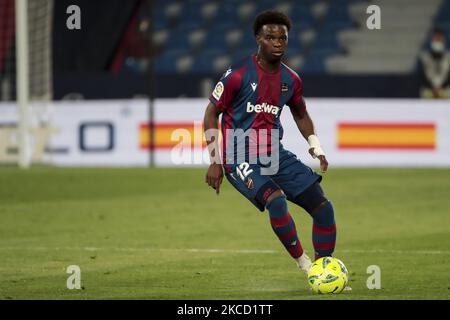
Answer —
(205, 36)
(329, 36)
(189, 43)
(394, 48)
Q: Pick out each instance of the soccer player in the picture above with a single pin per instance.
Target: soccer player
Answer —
(250, 96)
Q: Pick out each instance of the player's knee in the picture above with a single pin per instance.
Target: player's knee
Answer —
(277, 205)
(274, 195)
(324, 216)
(312, 199)
(267, 193)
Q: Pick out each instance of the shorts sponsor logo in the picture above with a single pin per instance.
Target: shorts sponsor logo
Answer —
(250, 183)
(267, 193)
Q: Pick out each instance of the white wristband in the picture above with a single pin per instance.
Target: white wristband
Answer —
(314, 143)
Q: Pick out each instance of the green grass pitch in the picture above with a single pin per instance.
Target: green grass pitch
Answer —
(163, 234)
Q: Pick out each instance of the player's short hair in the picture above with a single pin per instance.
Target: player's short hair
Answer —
(270, 17)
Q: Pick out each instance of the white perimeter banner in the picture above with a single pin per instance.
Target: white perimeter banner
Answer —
(353, 132)
(80, 133)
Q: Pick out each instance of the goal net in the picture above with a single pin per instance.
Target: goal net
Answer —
(25, 76)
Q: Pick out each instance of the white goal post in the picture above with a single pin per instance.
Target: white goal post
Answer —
(26, 68)
(22, 81)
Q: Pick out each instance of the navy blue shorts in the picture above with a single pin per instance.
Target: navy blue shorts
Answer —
(293, 177)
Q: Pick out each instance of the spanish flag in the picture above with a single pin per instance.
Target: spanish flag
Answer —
(376, 135)
(169, 135)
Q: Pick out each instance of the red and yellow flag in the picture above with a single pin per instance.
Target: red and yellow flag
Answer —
(169, 135)
(402, 136)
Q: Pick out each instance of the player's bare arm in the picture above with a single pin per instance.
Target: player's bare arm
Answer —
(214, 175)
(306, 127)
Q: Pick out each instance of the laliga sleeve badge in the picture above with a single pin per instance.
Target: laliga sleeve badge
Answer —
(218, 90)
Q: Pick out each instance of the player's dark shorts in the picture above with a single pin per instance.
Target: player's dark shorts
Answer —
(293, 177)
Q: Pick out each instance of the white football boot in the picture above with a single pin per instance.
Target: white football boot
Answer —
(304, 263)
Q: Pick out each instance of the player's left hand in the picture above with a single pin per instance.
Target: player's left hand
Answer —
(323, 163)
(321, 156)
(316, 151)
(214, 176)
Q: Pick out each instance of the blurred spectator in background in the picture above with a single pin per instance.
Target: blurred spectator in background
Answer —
(435, 68)
(133, 50)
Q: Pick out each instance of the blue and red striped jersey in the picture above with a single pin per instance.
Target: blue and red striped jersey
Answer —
(251, 98)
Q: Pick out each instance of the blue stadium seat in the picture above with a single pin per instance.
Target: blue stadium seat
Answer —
(159, 19)
(326, 42)
(216, 36)
(223, 25)
(159, 22)
(301, 25)
(247, 41)
(294, 36)
(166, 63)
(195, 3)
(333, 27)
(189, 24)
(295, 46)
(263, 6)
(228, 11)
(240, 54)
(301, 13)
(178, 41)
(204, 61)
(338, 13)
(191, 15)
(313, 64)
(162, 2)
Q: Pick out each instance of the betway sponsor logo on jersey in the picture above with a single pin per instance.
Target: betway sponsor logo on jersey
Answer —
(264, 107)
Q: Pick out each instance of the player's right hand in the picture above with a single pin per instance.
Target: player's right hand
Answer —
(214, 176)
